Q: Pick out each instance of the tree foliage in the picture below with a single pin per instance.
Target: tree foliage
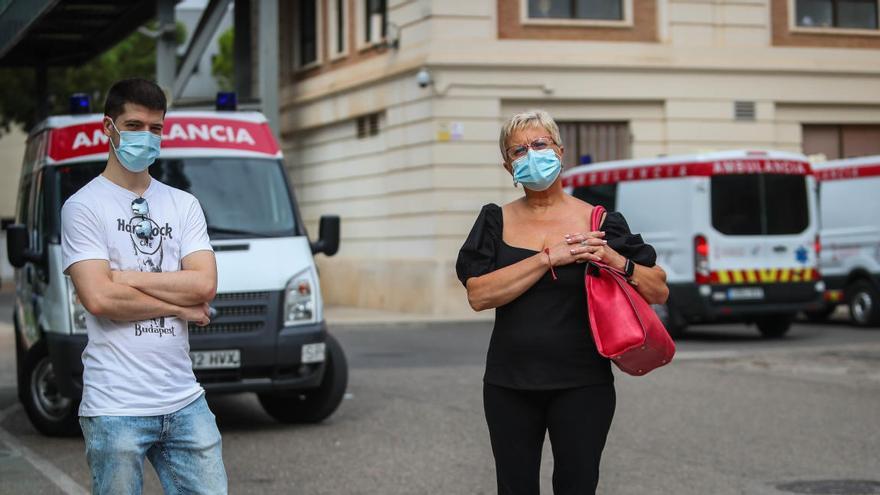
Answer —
(135, 56)
(222, 65)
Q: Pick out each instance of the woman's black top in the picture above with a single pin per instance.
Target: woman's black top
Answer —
(542, 339)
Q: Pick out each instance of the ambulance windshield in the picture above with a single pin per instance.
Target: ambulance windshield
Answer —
(241, 197)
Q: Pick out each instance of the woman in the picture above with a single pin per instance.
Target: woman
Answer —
(543, 373)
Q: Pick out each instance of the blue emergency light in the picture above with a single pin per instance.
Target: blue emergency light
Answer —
(80, 103)
(226, 100)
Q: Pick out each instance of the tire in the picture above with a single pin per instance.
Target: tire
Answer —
(775, 326)
(20, 376)
(864, 304)
(315, 405)
(50, 412)
(671, 319)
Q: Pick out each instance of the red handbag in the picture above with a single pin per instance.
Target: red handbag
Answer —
(624, 326)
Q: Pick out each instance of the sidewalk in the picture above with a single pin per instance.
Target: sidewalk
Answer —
(353, 316)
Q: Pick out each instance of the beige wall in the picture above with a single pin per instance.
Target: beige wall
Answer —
(11, 154)
(409, 195)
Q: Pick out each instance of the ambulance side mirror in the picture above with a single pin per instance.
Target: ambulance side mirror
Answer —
(328, 236)
(18, 246)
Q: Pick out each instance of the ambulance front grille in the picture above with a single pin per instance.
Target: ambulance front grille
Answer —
(218, 328)
(240, 312)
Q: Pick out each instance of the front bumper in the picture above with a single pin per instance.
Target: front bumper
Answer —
(270, 360)
(696, 306)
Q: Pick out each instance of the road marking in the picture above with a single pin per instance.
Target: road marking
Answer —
(58, 477)
(707, 355)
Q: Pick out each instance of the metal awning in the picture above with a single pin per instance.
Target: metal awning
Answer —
(66, 32)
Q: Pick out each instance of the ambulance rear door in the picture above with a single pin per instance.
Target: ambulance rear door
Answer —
(763, 236)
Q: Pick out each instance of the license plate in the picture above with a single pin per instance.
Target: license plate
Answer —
(313, 353)
(213, 360)
(740, 294)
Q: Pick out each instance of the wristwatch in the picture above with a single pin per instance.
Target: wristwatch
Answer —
(629, 268)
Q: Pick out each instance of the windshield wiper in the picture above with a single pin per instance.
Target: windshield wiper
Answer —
(224, 230)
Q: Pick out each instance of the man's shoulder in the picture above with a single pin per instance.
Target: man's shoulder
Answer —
(84, 197)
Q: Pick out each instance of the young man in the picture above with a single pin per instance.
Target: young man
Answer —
(138, 253)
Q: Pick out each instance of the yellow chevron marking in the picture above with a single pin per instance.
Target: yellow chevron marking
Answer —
(785, 275)
(766, 275)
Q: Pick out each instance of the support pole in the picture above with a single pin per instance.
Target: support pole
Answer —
(268, 62)
(242, 60)
(166, 45)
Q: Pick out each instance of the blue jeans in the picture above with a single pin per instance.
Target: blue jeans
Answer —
(184, 447)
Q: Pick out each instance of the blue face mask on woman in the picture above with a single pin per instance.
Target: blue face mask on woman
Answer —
(537, 170)
(137, 150)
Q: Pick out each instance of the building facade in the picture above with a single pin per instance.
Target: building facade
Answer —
(391, 109)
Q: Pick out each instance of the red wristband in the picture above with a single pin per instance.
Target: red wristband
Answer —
(552, 271)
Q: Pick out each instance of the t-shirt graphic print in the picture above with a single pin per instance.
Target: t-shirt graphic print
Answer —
(139, 368)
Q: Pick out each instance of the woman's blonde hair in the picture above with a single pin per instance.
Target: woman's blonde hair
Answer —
(531, 118)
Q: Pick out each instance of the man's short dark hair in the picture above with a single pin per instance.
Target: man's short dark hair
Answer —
(138, 91)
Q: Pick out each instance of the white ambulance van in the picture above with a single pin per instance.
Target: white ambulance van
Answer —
(268, 333)
(849, 211)
(735, 231)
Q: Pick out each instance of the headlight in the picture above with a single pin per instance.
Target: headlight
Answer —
(77, 310)
(300, 300)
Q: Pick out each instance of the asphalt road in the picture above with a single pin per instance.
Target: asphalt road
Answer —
(733, 414)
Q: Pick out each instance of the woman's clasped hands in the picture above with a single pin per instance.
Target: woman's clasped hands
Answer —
(583, 247)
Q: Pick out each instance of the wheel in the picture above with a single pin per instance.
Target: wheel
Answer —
(21, 377)
(50, 412)
(671, 319)
(316, 405)
(864, 304)
(775, 326)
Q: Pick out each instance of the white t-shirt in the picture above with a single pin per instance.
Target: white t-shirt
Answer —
(138, 368)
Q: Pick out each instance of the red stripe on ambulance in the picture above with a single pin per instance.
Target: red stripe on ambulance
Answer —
(732, 166)
(842, 173)
(180, 132)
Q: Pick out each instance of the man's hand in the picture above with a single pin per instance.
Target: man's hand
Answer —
(198, 314)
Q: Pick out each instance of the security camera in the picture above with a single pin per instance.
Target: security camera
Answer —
(424, 78)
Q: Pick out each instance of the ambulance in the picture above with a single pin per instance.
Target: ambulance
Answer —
(849, 206)
(735, 231)
(267, 335)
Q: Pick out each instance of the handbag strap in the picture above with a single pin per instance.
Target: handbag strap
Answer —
(596, 217)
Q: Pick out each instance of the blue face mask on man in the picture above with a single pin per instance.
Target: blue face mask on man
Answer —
(137, 150)
(537, 170)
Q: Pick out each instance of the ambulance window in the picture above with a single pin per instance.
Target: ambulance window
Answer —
(237, 195)
(73, 177)
(736, 204)
(24, 195)
(786, 200)
(605, 195)
(757, 204)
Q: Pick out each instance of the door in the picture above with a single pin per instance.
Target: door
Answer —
(763, 229)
